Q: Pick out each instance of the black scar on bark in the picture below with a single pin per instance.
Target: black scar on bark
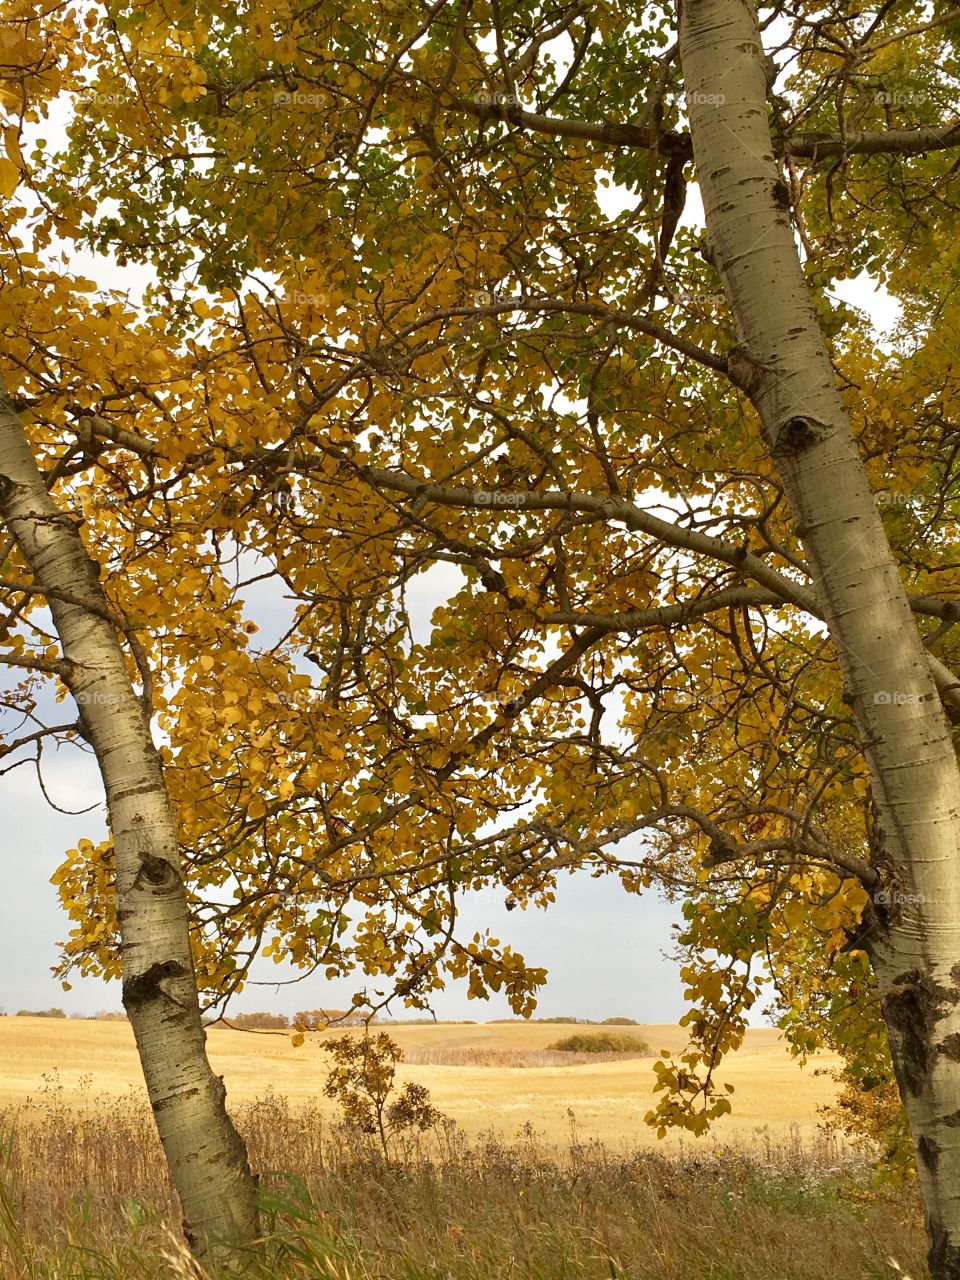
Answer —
(160, 1103)
(138, 991)
(952, 1121)
(929, 1150)
(912, 1009)
(943, 1257)
(781, 195)
(950, 1047)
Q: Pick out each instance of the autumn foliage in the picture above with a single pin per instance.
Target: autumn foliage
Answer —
(397, 341)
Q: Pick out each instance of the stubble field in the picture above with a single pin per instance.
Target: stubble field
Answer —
(513, 1190)
(608, 1099)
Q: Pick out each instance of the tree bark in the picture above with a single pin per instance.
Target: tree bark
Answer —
(913, 926)
(207, 1158)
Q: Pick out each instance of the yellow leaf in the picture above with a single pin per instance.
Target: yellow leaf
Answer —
(403, 779)
(297, 1039)
(12, 145)
(256, 808)
(9, 177)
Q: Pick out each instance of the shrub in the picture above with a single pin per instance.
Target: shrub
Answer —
(362, 1082)
(602, 1042)
(40, 1013)
(619, 1022)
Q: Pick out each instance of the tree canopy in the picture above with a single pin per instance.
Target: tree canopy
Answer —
(426, 301)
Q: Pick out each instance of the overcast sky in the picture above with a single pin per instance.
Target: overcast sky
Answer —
(604, 948)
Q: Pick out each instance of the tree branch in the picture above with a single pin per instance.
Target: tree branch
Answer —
(812, 146)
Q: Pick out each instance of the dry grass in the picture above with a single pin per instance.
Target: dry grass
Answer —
(84, 1195)
(609, 1098)
(443, 1056)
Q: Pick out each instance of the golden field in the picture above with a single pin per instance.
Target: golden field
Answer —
(85, 1194)
(608, 1099)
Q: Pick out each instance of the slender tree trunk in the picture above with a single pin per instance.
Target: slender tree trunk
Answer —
(782, 364)
(207, 1158)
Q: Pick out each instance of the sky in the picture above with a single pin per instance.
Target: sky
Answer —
(605, 949)
(608, 953)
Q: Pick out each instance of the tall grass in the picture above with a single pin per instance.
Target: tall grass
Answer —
(84, 1195)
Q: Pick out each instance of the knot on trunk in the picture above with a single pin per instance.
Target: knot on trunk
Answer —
(745, 370)
(797, 435)
(138, 991)
(155, 873)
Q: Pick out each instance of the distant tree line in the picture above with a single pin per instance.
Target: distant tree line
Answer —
(577, 1022)
(307, 1019)
(312, 1019)
(105, 1015)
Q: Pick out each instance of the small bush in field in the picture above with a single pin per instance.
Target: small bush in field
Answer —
(363, 1080)
(620, 1022)
(601, 1042)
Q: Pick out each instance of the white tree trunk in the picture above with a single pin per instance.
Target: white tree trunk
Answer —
(783, 365)
(207, 1158)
